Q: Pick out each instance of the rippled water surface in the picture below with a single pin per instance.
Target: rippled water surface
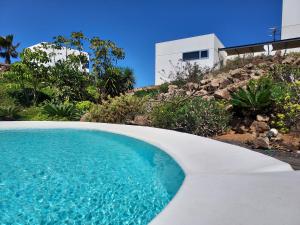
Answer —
(66, 176)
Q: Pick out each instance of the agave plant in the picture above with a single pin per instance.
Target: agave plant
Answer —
(9, 113)
(256, 98)
(61, 111)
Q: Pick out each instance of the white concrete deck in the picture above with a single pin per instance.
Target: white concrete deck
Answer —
(224, 184)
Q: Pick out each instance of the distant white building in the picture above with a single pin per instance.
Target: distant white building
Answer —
(202, 50)
(60, 54)
(208, 50)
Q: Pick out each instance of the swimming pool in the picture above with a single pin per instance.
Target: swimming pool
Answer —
(82, 177)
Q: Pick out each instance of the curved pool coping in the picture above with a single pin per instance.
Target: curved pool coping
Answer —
(224, 184)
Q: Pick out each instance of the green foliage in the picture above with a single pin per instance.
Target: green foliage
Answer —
(287, 111)
(33, 113)
(116, 81)
(191, 115)
(9, 113)
(30, 73)
(151, 93)
(5, 98)
(25, 96)
(84, 106)
(61, 111)
(256, 98)
(163, 88)
(120, 109)
(285, 73)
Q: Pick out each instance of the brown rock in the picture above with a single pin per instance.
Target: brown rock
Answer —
(222, 94)
(141, 120)
(201, 93)
(259, 127)
(205, 81)
(249, 66)
(289, 60)
(215, 83)
(192, 86)
(237, 73)
(297, 62)
(261, 118)
(172, 88)
(224, 82)
(261, 142)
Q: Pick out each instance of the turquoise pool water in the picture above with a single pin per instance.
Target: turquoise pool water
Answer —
(66, 176)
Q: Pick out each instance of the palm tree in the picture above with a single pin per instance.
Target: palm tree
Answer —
(128, 79)
(7, 48)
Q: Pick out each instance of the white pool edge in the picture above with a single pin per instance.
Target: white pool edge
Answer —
(217, 178)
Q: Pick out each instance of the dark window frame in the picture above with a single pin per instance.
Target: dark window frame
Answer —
(186, 57)
(204, 50)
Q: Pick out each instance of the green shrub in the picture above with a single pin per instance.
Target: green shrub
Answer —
(256, 98)
(285, 73)
(163, 88)
(84, 106)
(5, 98)
(117, 110)
(33, 113)
(196, 116)
(9, 113)
(287, 112)
(61, 111)
(151, 93)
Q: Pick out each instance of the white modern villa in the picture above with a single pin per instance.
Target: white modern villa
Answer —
(62, 53)
(208, 50)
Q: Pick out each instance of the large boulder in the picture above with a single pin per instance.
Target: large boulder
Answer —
(222, 94)
(237, 73)
(261, 143)
(259, 127)
(192, 86)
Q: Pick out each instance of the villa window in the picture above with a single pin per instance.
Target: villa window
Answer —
(204, 54)
(187, 56)
(190, 56)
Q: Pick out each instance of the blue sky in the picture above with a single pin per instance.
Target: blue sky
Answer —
(136, 25)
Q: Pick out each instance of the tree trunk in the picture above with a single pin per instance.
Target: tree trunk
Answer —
(7, 59)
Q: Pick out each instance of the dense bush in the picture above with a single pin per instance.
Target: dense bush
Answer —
(184, 72)
(287, 111)
(117, 110)
(9, 113)
(25, 97)
(84, 106)
(193, 115)
(150, 93)
(33, 113)
(61, 111)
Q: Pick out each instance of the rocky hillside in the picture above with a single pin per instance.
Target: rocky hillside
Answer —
(258, 132)
(220, 85)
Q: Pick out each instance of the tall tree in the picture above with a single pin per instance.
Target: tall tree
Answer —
(8, 49)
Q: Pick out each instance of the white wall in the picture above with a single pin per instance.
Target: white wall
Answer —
(169, 54)
(59, 54)
(290, 19)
